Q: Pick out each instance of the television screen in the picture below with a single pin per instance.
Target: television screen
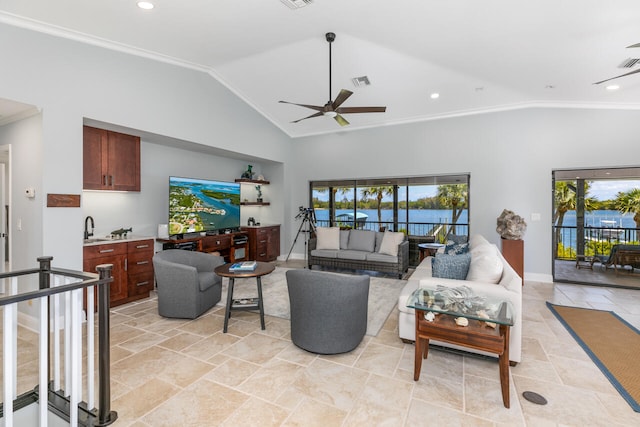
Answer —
(197, 205)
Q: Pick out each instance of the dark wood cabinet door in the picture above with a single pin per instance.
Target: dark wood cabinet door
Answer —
(118, 288)
(94, 171)
(124, 162)
(111, 160)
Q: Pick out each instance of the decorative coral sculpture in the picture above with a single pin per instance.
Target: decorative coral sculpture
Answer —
(511, 226)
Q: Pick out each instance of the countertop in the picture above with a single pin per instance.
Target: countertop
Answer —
(104, 240)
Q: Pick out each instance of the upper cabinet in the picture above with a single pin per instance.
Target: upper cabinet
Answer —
(111, 160)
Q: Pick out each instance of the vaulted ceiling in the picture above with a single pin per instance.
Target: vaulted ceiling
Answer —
(479, 56)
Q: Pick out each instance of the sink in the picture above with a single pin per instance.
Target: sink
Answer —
(97, 239)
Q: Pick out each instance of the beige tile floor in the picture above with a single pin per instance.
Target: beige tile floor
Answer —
(188, 373)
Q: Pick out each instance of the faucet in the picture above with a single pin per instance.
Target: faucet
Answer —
(86, 229)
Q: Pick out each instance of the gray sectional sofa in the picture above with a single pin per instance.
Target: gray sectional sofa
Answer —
(386, 252)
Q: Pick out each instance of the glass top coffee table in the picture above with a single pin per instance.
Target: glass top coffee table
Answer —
(462, 317)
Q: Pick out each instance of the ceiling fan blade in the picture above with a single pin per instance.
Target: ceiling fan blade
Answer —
(342, 96)
(341, 120)
(348, 110)
(634, 45)
(617, 77)
(308, 117)
(313, 107)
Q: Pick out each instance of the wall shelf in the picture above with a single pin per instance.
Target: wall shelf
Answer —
(254, 203)
(252, 181)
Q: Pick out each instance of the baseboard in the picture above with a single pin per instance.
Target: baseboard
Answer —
(538, 277)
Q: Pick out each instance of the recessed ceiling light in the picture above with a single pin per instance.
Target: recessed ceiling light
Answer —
(435, 95)
(613, 87)
(146, 5)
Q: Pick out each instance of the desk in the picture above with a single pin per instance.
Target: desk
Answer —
(428, 248)
(447, 305)
(262, 269)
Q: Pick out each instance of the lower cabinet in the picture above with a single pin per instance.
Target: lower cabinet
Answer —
(264, 242)
(132, 268)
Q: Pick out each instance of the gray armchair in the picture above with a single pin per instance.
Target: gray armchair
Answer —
(187, 285)
(328, 310)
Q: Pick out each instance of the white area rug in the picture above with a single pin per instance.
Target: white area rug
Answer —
(383, 296)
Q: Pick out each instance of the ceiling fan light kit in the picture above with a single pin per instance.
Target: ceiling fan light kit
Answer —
(333, 108)
(628, 63)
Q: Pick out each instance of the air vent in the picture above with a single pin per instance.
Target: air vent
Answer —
(629, 63)
(296, 4)
(361, 81)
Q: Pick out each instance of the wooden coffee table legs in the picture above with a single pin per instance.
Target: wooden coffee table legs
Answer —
(477, 336)
(244, 304)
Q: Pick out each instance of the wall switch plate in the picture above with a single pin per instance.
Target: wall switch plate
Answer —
(30, 192)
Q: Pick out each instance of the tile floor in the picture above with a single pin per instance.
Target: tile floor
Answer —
(188, 373)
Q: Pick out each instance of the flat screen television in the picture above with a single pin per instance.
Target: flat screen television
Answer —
(197, 205)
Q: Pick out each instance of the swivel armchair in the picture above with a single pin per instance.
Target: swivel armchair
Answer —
(187, 285)
(328, 310)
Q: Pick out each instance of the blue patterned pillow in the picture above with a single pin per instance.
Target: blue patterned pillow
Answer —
(451, 266)
(452, 248)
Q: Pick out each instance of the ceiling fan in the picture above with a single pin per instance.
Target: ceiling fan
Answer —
(333, 108)
(623, 75)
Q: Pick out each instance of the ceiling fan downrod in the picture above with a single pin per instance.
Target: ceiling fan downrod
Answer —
(330, 38)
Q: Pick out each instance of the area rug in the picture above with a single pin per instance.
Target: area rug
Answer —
(383, 296)
(612, 344)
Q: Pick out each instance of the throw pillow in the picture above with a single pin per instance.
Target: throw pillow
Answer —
(390, 242)
(452, 248)
(455, 238)
(328, 238)
(362, 240)
(450, 266)
(486, 265)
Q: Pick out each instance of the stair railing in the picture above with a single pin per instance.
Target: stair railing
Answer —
(60, 344)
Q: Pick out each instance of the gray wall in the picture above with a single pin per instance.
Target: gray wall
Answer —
(71, 82)
(509, 155)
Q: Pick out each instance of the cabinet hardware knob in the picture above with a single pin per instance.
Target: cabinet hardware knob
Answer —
(142, 262)
(142, 246)
(142, 283)
(104, 251)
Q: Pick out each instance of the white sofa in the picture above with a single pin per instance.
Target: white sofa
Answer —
(508, 287)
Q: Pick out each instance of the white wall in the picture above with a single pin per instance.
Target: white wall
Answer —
(509, 155)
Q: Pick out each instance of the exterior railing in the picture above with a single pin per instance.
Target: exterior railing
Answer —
(597, 240)
(60, 345)
(437, 229)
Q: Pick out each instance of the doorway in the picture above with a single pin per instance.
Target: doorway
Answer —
(596, 219)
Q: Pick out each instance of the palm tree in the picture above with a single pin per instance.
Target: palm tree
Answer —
(455, 197)
(379, 193)
(629, 201)
(566, 199)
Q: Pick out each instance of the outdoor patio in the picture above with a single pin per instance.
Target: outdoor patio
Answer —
(566, 271)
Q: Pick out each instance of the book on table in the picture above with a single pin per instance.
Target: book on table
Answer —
(244, 266)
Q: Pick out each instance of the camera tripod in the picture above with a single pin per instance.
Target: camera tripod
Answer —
(308, 225)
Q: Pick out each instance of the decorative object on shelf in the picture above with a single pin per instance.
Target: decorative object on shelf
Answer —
(260, 178)
(510, 225)
(251, 221)
(248, 174)
(259, 190)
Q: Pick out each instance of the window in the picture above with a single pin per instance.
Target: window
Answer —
(417, 206)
